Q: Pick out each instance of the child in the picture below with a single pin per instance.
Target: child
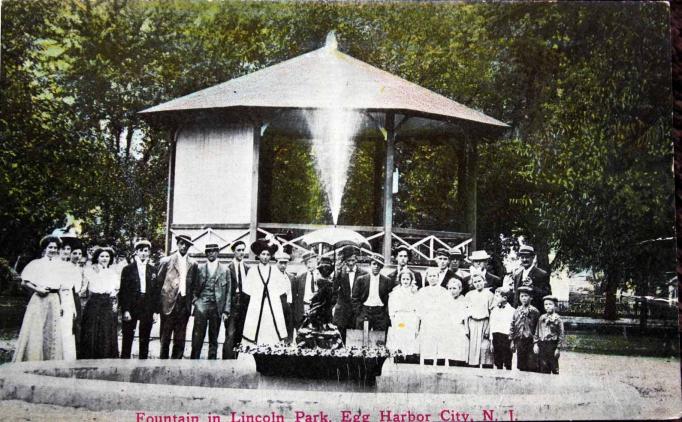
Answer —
(523, 327)
(479, 302)
(549, 334)
(459, 313)
(402, 305)
(500, 327)
(436, 331)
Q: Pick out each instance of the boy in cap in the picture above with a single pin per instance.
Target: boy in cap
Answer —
(501, 318)
(549, 334)
(211, 299)
(138, 299)
(524, 324)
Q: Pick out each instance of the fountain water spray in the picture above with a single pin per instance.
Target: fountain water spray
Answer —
(332, 131)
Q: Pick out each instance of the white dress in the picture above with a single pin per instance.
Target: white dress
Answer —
(402, 308)
(47, 329)
(264, 323)
(459, 315)
(436, 331)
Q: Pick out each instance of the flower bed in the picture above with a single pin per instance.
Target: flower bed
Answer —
(343, 364)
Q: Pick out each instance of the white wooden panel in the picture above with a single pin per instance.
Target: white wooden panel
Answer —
(213, 175)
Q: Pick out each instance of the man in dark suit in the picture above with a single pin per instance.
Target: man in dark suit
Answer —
(530, 275)
(138, 299)
(370, 297)
(403, 255)
(211, 293)
(234, 324)
(443, 263)
(344, 315)
(479, 265)
(302, 288)
(176, 273)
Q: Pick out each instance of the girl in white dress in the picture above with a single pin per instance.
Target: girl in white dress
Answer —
(459, 315)
(402, 334)
(479, 301)
(436, 329)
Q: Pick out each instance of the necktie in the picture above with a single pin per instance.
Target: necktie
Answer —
(312, 281)
(239, 276)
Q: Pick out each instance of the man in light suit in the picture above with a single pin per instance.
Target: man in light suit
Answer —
(344, 315)
(211, 299)
(176, 273)
(138, 299)
(302, 288)
(370, 297)
(234, 324)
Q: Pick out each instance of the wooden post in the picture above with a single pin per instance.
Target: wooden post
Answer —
(171, 183)
(471, 188)
(253, 225)
(388, 185)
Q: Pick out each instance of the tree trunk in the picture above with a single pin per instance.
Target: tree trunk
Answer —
(611, 278)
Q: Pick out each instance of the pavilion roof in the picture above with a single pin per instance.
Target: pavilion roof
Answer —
(325, 78)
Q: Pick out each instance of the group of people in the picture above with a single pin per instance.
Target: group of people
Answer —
(456, 316)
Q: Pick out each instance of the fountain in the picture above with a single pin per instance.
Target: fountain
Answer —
(332, 130)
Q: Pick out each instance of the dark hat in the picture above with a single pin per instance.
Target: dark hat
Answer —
(456, 253)
(525, 289)
(49, 239)
(142, 243)
(325, 267)
(184, 238)
(261, 245)
(526, 250)
(72, 241)
(347, 252)
(237, 243)
(378, 259)
(211, 247)
(443, 252)
(552, 298)
(308, 255)
(403, 248)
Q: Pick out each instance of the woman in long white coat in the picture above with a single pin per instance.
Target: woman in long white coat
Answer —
(267, 289)
(436, 329)
(402, 309)
(47, 329)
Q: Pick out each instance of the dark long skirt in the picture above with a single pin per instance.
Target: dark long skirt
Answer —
(99, 330)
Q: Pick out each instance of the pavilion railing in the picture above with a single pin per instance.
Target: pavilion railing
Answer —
(423, 243)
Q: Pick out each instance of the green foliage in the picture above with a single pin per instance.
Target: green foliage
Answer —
(584, 172)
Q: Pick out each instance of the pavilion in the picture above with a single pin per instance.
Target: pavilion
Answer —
(216, 135)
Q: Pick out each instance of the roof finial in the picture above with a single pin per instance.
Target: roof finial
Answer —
(331, 42)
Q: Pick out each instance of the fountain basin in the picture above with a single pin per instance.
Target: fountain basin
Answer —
(221, 387)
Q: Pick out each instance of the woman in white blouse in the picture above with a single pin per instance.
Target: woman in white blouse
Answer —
(99, 329)
(47, 329)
